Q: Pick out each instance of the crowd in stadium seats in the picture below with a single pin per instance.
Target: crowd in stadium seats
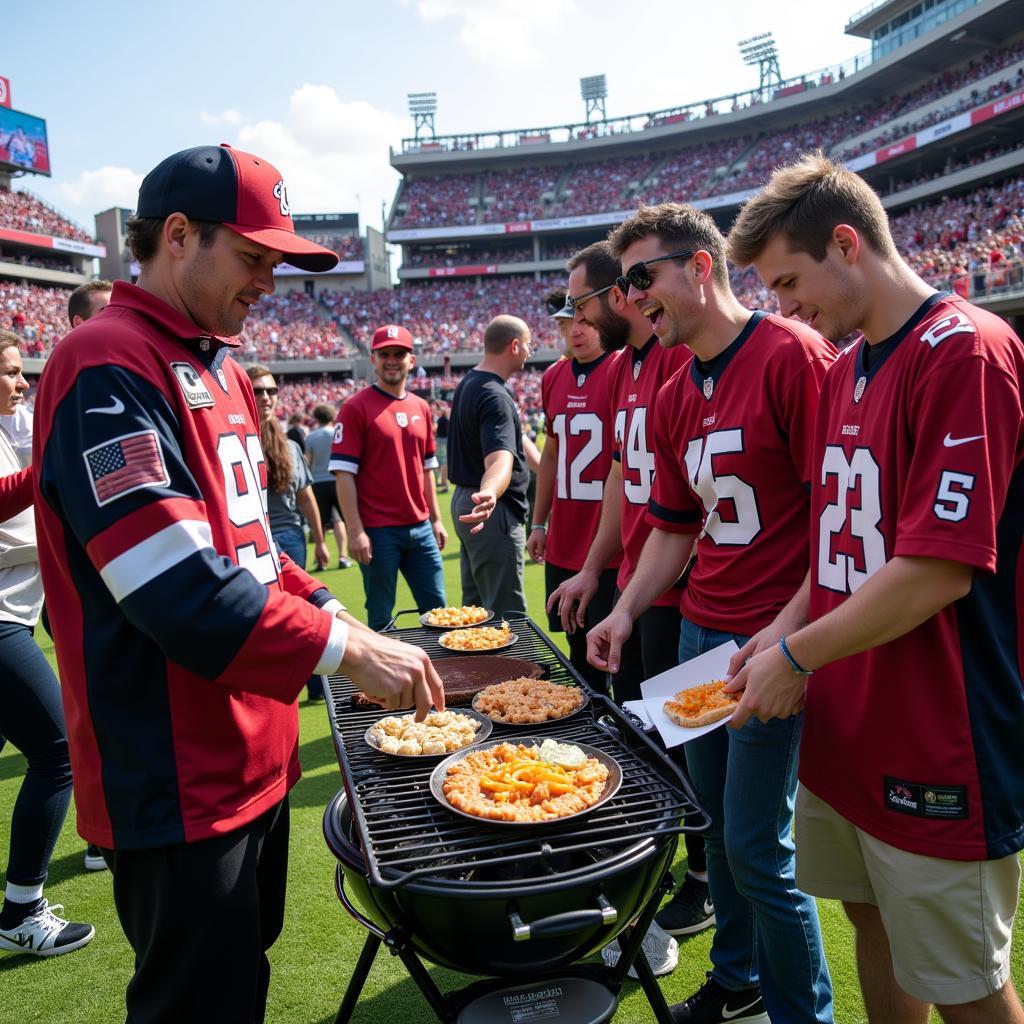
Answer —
(439, 199)
(292, 325)
(420, 257)
(601, 185)
(449, 315)
(23, 212)
(38, 315)
(348, 247)
(43, 262)
(518, 194)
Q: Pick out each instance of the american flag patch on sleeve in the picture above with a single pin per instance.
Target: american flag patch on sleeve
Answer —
(125, 464)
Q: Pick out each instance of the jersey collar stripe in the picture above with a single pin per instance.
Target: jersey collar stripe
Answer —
(155, 555)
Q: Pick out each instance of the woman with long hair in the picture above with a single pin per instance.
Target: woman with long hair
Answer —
(31, 712)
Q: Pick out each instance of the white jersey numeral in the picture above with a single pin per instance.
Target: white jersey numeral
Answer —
(951, 503)
(247, 503)
(636, 456)
(858, 511)
(955, 323)
(712, 489)
(571, 484)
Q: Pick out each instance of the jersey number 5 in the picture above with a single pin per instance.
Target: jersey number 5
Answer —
(713, 489)
(856, 512)
(247, 504)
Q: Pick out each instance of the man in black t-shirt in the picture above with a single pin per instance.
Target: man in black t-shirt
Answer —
(487, 464)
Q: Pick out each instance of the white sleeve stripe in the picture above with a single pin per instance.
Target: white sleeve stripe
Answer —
(334, 649)
(342, 465)
(138, 565)
(430, 463)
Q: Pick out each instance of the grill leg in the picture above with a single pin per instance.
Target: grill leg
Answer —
(358, 980)
(441, 1006)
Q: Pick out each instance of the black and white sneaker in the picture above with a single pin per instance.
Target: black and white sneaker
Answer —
(661, 950)
(43, 933)
(713, 1004)
(690, 910)
(94, 859)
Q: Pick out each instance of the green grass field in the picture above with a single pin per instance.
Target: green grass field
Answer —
(315, 955)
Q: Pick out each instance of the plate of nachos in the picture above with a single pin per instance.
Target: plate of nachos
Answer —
(465, 616)
(474, 639)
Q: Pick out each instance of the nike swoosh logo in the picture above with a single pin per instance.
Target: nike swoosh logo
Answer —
(728, 1014)
(111, 410)
(952, 442)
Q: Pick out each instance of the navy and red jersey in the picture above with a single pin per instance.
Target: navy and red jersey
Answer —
(639, 375)
(576, 398)
(386, 443)
(733, 458)
(182, 639)
(919, 451)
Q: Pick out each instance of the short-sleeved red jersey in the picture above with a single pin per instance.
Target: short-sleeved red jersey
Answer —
(387, 443)
(639, 375)
(577, 408)
(919, 450)
(734, 442)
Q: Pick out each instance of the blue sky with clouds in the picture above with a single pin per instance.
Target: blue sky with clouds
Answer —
(320, 87)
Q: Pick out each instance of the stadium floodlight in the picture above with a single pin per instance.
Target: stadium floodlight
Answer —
(594, 91)
(761, 51)
(423, 107)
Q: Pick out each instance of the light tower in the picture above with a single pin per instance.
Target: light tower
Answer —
(761, 50)
(594, 90)
(423, 107)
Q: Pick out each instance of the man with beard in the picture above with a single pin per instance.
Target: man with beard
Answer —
(653, 646)
(383, 459)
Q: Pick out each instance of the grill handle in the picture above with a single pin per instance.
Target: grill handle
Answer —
(562, 924)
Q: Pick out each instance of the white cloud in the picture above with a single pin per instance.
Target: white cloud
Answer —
(333, 153)
(229, 116)
(503, 31)
(101, 188)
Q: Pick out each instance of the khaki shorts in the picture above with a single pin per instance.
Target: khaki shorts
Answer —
(949, 922)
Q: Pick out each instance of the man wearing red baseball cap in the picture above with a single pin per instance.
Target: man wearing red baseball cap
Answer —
(383, 458)
(183, 639)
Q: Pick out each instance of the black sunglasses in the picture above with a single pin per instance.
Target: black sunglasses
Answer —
(269, 392)
(639, 278)
(555, 306)
(579, 300)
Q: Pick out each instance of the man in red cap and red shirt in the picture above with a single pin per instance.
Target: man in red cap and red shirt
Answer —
(183, 639)
(383, 458)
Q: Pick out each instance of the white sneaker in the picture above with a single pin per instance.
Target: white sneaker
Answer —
(94, 859)
(45, 934)
(661, 950)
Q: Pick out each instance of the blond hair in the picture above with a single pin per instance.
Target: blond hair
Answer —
(805, 202)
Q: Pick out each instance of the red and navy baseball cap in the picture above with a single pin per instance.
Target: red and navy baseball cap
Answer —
(243, 192)
(391, 336)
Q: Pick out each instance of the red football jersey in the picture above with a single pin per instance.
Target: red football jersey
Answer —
(734, 444)
(917, 741)
(639, 375)
(387, 443)
(578, 411)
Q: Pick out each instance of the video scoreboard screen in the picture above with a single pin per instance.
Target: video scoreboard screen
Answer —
(23, 142)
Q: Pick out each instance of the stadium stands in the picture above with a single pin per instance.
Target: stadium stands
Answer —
(24, 212)
(439, 199)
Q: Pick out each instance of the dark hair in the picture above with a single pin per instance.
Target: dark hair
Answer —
(80, 300)
(273, 442)
(805, 202)
(678, 226)
(600, 263)
(142, 235)
(324, 414)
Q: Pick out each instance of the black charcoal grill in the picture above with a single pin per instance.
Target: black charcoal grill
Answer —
(523, 906)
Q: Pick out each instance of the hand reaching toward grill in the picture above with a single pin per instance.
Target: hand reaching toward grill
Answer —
(605, 640)
(394, 674)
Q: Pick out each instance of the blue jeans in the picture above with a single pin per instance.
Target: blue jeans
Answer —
(767, 929)
(32, 718)
(411, 549)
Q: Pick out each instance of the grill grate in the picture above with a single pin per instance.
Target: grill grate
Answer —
(406, 835)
